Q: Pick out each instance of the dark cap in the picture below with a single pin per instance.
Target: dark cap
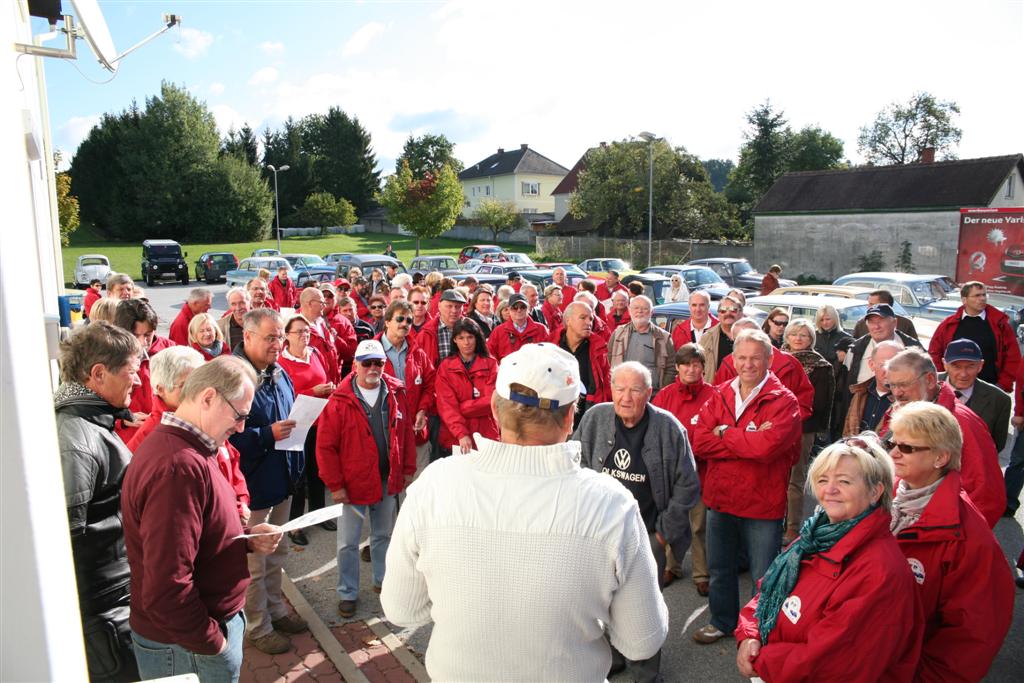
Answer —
(962, 349)
(513, 275)
(517, 299)
(453, 295)
(884, 310)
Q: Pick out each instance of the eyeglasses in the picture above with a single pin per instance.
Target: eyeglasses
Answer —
(905, 448)
(377, 306)
(518, 307)
(304, 332)
(374, 363)
(239, 417)
(272, 338)
(779, 323)
(402, 318)
(900, 386)
(855, 441)
(728, 310)
(418, 303)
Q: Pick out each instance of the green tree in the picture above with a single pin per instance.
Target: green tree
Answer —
(905, 262)
(718, 172)
(612, 193)
(241, 144)
(902, 131)
(67, 208)
(498, 217)
(230, 202)
(322, 210)
(98, 177)
(814, 149)
(343, 159)
(872, 262)
(428, 206)
(287, 149)
(428, 153)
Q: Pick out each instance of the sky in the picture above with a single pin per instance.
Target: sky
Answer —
(561, 76)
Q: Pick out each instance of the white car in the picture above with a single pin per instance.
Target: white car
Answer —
(91, 267)
(518, 257)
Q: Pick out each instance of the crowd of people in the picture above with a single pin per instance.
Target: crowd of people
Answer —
(566, 451)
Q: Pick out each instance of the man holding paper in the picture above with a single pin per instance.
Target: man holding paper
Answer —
(271, 474)
(181, 528)
(366, 451)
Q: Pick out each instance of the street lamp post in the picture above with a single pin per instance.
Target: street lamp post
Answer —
(277, 207)
(650, 138)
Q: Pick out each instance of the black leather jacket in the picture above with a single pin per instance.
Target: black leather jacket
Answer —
(93, 461)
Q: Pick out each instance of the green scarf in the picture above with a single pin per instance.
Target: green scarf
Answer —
(816, 535)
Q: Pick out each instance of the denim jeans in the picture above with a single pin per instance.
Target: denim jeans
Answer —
(264, 601)
(727, 536)
(160, 660)
(350, 527)
(1014, 475)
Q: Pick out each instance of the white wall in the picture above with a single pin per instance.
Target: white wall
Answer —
(1002, 201)
(40, 631)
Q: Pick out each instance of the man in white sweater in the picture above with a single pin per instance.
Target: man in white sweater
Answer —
(527, 564)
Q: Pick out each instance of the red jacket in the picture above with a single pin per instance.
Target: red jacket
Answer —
(225, 350)
(685, 401)
(346, 452)
(506, 339)
(305, 376)
(980, 474)
(790, 372)
(284, 293)
(856, 597)
(91, 297)
(464, 399)
(613, 323)
(748, 470)
(155, 414)
(327, 344)
(683, 333)
(568, 292)
(964, 584)
(419, 382)
(552, 314)
(426, 339)
(601, 391)
(603, 293)
(1007, 350)
(344, 339)
(142, 394)
(179, 326)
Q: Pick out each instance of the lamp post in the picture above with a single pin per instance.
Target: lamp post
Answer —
(277, 207)
(650, 138)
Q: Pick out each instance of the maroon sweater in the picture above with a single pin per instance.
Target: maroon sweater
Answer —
(187, 572)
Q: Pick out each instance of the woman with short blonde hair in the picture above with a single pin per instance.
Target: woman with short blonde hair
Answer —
(206, 337)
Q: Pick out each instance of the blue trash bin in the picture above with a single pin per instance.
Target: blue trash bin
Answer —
(66, 304)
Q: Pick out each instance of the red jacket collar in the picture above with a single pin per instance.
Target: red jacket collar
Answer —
(941, 517)
(771, 389)
(875, 524)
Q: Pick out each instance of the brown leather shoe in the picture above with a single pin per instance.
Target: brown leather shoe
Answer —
(707, 635)
(703, 588)
(364, 554)
(667, 578)
(272, 644)
(291, 623)
(347, 608)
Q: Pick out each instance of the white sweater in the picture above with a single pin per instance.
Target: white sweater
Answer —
(524, 562)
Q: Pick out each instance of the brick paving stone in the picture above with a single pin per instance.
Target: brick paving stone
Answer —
(256, 658)
(399, 676)
(374, 651)
(304, 643)
(314, 658)
(287, 660)
(323, 669)
(388, 663)
(359, 657)
(333, 677)
(267, 674)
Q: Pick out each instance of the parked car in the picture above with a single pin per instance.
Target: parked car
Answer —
(90, 267)
(737, 272)
(446, 265)
(922, 295)
(655, 286)
(481, 251)
(214, 265)
(850, 310)
(162, 258)
(250, 267)
(265, 252)
(844, 291)
(569, 268)
(518, 257)
(667, 316)
(599, 267)
(336, 257)
(502, 267)
(542, 277)
(308, 266)
(696, 278)
(365, 263)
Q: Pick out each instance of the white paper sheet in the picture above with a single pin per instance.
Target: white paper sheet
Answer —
(305, 410)
(309, 519)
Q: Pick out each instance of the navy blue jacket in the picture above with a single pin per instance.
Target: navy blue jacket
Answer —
(270, 474)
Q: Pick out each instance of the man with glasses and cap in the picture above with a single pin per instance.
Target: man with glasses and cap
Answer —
(366, 452)
(490, 568)
(881, 322)
(345, 340)
(520, 329)
(963, 361)
(717, 341)
(435, 338)
(270, 474)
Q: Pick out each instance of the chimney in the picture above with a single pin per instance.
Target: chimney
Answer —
(523, 146)
(927, 156)
(501, 150)
(603, 143)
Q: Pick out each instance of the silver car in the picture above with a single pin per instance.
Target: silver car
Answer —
(91, 267)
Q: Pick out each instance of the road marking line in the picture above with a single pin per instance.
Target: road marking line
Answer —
(696, 613)
(317, 572)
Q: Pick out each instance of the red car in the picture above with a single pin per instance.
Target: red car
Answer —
(484, 252)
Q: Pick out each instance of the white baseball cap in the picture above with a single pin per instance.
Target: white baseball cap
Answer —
(369, 349)
(549, 370)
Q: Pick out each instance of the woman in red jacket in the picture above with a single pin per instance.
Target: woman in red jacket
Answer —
(464, 383)
(305, 366)
(842, 586)
(962, 577)
(205, 336)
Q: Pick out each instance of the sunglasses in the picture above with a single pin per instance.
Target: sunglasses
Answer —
(402, 318)
(372, 363)
(904, 448)
(518, 307)
(779, 323)
(728, 310)
(376, 306)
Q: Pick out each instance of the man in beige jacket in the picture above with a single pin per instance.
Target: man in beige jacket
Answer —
(644, 343)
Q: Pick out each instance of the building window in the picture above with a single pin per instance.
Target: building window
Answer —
(487, 190)
(468, 203)
(529, 210)
(474, 190)
(1009, 186)
(531, 189)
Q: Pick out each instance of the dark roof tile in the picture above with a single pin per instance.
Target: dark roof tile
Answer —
(522, 160)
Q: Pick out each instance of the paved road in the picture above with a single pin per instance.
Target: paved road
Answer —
(313, 569)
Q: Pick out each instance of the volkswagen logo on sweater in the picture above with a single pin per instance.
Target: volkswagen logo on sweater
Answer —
(622, 459)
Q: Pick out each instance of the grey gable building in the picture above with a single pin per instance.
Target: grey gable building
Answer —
(820, 222)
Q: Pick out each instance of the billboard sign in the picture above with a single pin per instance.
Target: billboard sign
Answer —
(991, 249)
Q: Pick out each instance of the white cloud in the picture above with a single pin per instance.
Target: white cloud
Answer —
(193, 43)
(227, 118)
(264, 76)
(71, 133)
(272, 48)
(361, 39)
(216, 88)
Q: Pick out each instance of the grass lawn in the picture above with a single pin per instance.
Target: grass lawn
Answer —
(127, 257)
